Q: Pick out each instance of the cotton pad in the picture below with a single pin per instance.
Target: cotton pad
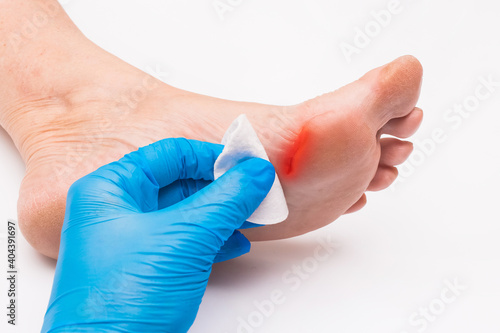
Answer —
(240, 142)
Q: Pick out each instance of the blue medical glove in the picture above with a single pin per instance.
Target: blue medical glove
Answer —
(126, 265)
(235, 246)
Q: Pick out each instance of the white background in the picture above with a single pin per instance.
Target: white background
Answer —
(440, 222)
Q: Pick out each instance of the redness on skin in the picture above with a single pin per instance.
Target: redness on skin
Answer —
(295, 155)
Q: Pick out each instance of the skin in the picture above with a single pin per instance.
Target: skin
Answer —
(71, 107)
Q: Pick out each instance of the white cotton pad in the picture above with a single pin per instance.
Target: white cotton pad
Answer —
(240, 142)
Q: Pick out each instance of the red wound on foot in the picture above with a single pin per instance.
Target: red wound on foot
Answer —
(296, 154)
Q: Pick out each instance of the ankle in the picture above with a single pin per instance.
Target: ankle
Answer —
(38, 41)
(27, 24)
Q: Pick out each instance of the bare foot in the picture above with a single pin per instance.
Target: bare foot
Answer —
(74, 107)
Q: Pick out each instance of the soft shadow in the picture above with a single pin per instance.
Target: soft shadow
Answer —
(44, 260)
(270, 258)
(5, 137)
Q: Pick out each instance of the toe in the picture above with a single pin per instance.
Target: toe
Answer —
(394, 151)
(395, 89)
(384, 177)
(358, 205)
(405, 126)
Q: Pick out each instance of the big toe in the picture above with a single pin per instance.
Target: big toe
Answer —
(394, 90)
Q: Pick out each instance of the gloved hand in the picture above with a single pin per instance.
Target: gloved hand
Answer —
(126, 265)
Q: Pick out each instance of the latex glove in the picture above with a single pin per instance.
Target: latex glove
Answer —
(126, 266)
(181, 189)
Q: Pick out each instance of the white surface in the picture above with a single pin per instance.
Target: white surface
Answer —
(439, 222)
(240, 143)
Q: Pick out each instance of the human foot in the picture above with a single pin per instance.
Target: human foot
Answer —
(96, 108)
(336, 154)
